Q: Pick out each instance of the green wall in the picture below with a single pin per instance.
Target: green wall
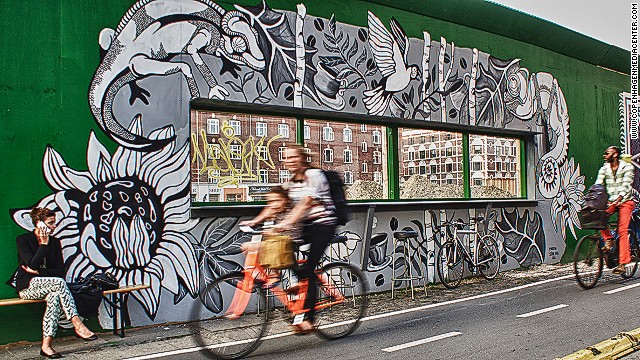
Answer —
(50, 53)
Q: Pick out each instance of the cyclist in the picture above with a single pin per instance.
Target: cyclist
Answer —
(617, 177)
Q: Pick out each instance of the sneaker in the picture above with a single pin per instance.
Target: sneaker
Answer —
(620, 269)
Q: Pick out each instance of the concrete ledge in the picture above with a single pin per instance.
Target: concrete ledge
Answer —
(614, 348)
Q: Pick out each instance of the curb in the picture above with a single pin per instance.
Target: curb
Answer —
(613, 348)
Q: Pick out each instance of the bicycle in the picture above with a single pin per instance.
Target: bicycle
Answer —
(341, 304)
(589, 258)
(482, 257)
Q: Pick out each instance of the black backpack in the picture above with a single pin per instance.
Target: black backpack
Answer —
(336, 187)
(596, 198)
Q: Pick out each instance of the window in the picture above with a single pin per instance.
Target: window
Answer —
(488, 179)
(282, 153)
(214, 176)
(348, 177)
(328, 155)
(235, 151)
(377, 137)
(431, 162)
(235, 125)
(261, 129)
(377, 177)
(363, 128)
(283, 176)
(213, 126)
(327, 133)
(239, 164)
(377, 157)
(214, 151)
(346, 135)
(352, 150)
(307, 132)
(346, 153)
(263, 176)
(283, 130)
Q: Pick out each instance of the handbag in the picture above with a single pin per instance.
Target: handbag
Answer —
(276, 252)
(100, 281)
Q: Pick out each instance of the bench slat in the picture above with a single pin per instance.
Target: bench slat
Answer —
(123, 289)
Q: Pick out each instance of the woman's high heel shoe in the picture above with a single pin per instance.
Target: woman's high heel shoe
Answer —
(55, 355)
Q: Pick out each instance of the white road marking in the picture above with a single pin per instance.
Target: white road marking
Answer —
(621, 289)
(542, 311)
(374, 317)
(423, 341)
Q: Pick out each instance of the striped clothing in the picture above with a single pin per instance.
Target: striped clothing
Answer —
(315, 185)
(618, 184)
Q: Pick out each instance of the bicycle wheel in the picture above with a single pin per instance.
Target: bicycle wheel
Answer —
(635, 256)
(342, 300)
(224, 338)
(450, 264)
(488, 257)
(588, 261)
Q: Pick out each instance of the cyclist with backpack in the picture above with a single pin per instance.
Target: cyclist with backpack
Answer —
(617, 177)
(313, 207)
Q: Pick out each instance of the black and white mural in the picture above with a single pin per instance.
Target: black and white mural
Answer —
(129, 211)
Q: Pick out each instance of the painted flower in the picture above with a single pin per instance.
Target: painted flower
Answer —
(567, 203)
(128, 214)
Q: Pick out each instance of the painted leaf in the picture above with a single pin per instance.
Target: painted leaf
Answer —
(524, 238)
(490, 87)
(217, 230)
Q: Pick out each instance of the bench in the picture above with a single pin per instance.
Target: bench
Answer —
(115, 298)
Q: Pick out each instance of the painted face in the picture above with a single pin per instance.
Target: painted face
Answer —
(609, 155)
(276, 202)
(294, 160)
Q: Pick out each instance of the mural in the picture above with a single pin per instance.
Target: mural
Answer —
(129, 212)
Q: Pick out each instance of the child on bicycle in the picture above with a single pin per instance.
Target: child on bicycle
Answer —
(278, 206)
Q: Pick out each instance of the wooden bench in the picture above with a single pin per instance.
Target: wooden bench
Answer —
(115, 298)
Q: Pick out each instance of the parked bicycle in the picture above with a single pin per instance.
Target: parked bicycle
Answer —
(239, 327)
(469, 246)
(589, 258)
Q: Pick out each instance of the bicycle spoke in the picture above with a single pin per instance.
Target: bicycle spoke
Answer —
(587, 261)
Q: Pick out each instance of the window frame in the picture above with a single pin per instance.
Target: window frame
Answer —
(518, 145)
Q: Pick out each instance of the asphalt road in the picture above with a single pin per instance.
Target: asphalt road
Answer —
(536, 321)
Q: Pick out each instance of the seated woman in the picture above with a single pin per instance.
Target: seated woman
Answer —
(40, 276)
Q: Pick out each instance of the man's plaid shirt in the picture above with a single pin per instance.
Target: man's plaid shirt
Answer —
(618, 184)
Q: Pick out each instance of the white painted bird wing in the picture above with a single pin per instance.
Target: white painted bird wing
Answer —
(400, 37)
(381, 44)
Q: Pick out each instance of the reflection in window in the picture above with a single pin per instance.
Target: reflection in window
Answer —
(494, 170)
(283, 176)
(346, 135)
(347, 154)
(229, 164)
(283, 130)
(307, 132)
(350, 155)
(213, 126)
(431, 164)
(282, 153)
(328, 155)
(261, 129)
(377, 137)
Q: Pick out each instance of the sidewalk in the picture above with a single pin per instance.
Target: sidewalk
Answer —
(167, 337)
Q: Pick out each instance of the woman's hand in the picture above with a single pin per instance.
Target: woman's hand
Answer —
(29, 270)
(43, 236)
(249, 223)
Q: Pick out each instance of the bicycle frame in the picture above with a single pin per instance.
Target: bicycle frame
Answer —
(253, 270)
(472, 231)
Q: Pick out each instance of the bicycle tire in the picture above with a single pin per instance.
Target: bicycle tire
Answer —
(223, 338)
(635, 256)
(339, 320)
(450, 265)
(588, 261)
(488, 257)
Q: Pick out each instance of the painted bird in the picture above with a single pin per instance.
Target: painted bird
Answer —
(390, 54)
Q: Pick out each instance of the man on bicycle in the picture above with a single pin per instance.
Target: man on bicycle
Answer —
(617, 177)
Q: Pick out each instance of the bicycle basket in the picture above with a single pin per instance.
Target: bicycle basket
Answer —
(593, 219)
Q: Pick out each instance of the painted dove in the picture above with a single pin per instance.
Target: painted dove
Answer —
(390, 53)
